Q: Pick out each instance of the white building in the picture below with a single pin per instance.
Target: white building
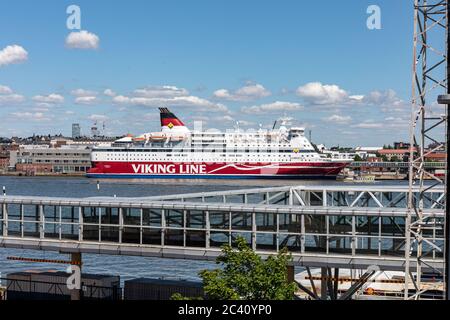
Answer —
(367, 152)
(339, 155)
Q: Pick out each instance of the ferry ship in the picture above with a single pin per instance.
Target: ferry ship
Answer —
(282, 152)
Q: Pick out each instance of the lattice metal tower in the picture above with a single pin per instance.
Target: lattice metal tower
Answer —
(428, 127)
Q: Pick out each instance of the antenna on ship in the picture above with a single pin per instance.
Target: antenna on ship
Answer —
(274, 124)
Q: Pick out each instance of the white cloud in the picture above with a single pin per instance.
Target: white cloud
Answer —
(245, 123)
(7, 96)
(338, 119)
(34, 116)
(246, 93)
(122, 100)
(388, 101)
(368, 124)
(222, 94)
(435, 109)
(44, 104)
(167, 96)
(356, 98)
(397, 122)
(188, 101)
(391, 123)
(109, 93)
(84, 96)
(225, 118)
(161, 92)
(52, 98)
(219, 119)
(12, 54)
(86, 100)
(82, 40)
(5, 90)
(82, 93)
(98, 117)
(387, 97)
(272, 107)
(11, 98)
(318, 93)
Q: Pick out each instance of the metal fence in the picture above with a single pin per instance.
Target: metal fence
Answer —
(21, 289)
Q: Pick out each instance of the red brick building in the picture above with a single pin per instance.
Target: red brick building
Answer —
(4, 163)
(33, 168)
(436, 157)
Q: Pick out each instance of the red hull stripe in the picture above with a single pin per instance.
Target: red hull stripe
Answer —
(218, 169)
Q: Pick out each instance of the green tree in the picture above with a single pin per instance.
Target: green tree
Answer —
(395, 159)
(246, 276)
(357, 158)
(179, 296)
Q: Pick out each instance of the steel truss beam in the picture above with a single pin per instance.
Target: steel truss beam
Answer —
(429, 79)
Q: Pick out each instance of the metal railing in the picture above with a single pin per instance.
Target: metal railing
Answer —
(360, 226)
(19, 289)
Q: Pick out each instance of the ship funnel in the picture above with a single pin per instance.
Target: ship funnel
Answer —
(170, 123)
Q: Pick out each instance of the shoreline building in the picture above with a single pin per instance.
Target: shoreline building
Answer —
(53, 154)
(400, 155)
(66, 159)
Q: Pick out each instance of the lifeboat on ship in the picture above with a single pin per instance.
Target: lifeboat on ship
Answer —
(177, 137)
(157, 136)
(139, 139)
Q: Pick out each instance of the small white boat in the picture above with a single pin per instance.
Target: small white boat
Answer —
(381, 285)
(365, 178)
(360, 178)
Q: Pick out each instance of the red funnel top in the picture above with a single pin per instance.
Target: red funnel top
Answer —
(168, 119)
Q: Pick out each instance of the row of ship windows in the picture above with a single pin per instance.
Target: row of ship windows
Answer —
(212, 155)
(169, 157)
(208, 150)
(254, 148)
(215, 160)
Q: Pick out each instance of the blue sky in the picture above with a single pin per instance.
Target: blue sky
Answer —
(212, 61)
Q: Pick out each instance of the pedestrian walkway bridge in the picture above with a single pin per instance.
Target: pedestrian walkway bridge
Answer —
(335, 226)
